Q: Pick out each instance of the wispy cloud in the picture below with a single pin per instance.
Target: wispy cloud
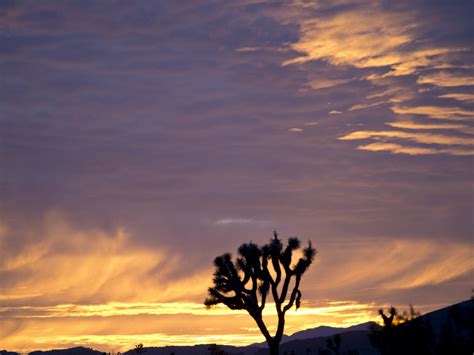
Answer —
(458, 96)
(165, 143)
(231, 220)
(373, 40)
(412, 263)
(446, 79)
(367, 105)
(390, 46)
(410, 150)
(426, 138)
(431, 126)
(436, 112)
(295, 130)
(327, 83)
(424, 126)
(57, 267)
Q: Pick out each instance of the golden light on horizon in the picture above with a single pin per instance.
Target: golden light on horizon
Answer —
(68, 324)
(141, 140)
(37, 316)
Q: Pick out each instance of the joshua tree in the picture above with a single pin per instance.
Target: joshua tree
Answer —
(404, 333)
(258, 271)
(139, 349)
(388, 321)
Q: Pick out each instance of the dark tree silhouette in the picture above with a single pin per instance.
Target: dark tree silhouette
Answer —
(402, 333)
(216, 350)
(258, 271)
(139, 349)
(388, 321)
(334, 344)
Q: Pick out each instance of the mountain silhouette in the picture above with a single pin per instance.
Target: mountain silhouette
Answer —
(79, 350)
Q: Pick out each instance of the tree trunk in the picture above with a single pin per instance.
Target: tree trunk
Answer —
(274, 348)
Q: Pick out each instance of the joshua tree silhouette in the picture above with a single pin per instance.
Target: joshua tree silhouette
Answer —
(258, 271)
(139, 349)
(388, 321)
(402, 333)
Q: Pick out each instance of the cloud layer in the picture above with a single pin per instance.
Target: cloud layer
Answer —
(141, 140)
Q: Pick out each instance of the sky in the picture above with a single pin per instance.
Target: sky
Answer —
(139, 140)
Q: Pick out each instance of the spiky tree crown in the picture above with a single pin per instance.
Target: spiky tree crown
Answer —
(246, 282)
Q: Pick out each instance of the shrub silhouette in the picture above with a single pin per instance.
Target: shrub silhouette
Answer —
(246, 283)
(216, 350)
(402, 333)
(334, 344)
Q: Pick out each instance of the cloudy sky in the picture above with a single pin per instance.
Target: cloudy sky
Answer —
(139, 140)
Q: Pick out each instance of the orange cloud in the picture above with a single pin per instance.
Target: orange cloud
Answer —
(426, 138)
(458, 96)
(375, 40)
(107, 294)
(120, 332)
(400, 149)
(397, 149)
(393, 263)
(365, 106)
(388, 39)
(429, 126)
(327, 83)
(446, 79)
(436, 112)
(295, 130)
(372, 41)
(69, 265)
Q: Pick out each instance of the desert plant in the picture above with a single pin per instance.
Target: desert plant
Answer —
(245, 283)
(139, 349)
(402, 333)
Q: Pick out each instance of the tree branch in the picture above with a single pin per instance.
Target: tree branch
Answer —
(286, 284)
(294, 293)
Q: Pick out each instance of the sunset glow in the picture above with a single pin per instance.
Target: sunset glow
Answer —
(140, 140)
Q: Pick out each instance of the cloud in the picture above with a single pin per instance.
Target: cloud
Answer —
(365, 106)
(372, 41)
(247, 49)
(327, 83)
(295, 130)
(431, 126)
(394, 54)
(413, 125)
(426, 138)
(226, 221)
(65, 264)
(393, 90)
(410, 150)
(394, 264)
(446, 79)
(377, 39)
(458, 96)
(104, 322)
(98, 327)
(418, 60)
(436, 112)
(153, 137)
